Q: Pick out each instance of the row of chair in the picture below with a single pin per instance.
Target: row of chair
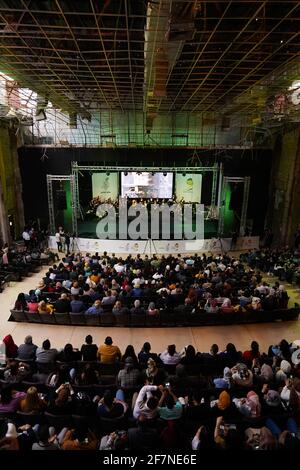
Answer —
(165, 318)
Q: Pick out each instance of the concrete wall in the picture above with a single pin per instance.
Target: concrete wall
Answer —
(11, 184)
(284, 193)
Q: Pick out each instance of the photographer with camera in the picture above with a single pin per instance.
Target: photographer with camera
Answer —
(169, 406)
(226, 435)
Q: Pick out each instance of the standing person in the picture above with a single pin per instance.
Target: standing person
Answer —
(234, 240)
(26, 238)
(67, 242)
(58, 241)
(62, 237)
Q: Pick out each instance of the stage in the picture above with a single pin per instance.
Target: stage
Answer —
(161, 247)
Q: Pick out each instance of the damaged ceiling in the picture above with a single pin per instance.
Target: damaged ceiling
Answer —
(156, 57)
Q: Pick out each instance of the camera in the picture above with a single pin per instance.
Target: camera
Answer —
(167, 385)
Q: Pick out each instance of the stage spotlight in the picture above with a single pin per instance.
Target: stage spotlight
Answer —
(164, 173)
(125, 173)
(184, 173)
(107, 173)
(152, 173)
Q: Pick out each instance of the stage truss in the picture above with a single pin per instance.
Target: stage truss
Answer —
(50, 179)
(228, 179)
(77, 169)
(219, 184)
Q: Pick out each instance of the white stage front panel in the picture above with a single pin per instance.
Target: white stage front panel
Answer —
(159, 246)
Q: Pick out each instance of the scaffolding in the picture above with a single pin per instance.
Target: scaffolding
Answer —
(228, 179)
(50, 179)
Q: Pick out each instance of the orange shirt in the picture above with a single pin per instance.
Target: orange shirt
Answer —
(108, 353)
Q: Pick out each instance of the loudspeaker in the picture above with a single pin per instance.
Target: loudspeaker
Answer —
(61, 200)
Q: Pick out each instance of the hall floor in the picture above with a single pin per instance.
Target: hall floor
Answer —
(200, 337)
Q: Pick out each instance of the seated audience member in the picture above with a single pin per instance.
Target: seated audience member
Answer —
(197, 408)
(225, 381)
(170, 356)
(154, 375)
(46, 354)
(119, 309)
(89, 376)
(89, 350)
(260, 439)
(145, 402)
(62, 403)
(137, 309)
(27, 351)
(230, 356)
(109, 298)
(266, 373)
(11, 349)
(95, 309)
(108, 353)
(271, 402)
(69, 354)
(137, 291)
(76, 305)
(79, 439)
(21, 303)
(32, 403)
(129, 377)
(152, 310)
(250, 406)
(254, 353)
(242, 376)
(213, 358)
(203, 439)
(283, 372)
(169, 406)
(75, 288)
(227, 437)
(130, 352)
(16, 372)
(211, 305)
(290, 393)
(62, 305)
(226, 306)
(33, 305)
(9, 399)
(189, 356)
(142, 437)
(111, 407)
(45, 308)
(44, 440)
(145, 354)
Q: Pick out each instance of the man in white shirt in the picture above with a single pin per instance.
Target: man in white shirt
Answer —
(58, 241)
(119, 267)
(26, 238)
(146, 403)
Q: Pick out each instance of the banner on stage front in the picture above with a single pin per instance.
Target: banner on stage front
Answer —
(105, 186)
(188, 187)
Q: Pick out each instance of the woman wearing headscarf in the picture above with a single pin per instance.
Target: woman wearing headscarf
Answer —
(284, 371)
(154, 375)
(226, 306)
(152, 310)
(11, 349)
(224, 406)
(250, 406)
